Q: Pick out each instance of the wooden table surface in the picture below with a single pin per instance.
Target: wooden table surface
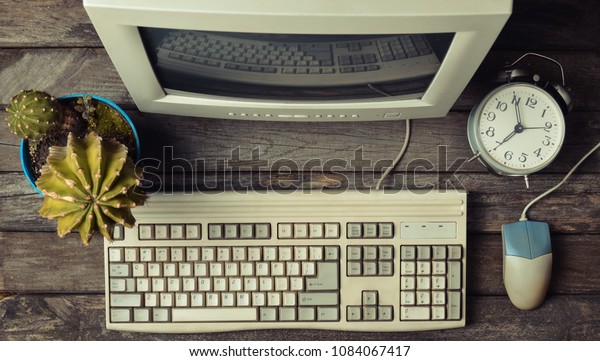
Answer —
(53, 288)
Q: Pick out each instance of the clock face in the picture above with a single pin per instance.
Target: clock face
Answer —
(517, 129)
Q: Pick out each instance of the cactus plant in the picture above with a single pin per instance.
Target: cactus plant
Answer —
(91, 184)
(32, 114)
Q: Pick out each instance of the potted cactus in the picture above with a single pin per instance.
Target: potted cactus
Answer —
(77, 152)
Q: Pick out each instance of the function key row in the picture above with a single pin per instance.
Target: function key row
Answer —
(169, 231)
(309, 230)
(239, 231)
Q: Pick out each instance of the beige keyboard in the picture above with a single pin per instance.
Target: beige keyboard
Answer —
(352, 260)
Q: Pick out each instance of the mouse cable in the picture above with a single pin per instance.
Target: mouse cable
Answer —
(398, 157)
(524, 214)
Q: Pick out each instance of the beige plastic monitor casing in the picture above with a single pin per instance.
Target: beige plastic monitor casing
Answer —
(475, 23)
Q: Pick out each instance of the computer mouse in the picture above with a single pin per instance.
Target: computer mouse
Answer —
(527, 262)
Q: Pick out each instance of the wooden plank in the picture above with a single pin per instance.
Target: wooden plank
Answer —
(56, 23)
(174, 143)
(493, 201)
(60, 71)
(46, 23)
(556, 24)
(41, 262)
(82, 317)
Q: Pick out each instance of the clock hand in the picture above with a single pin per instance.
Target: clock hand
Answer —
(518, 113)
(506, 139)
(536, 128)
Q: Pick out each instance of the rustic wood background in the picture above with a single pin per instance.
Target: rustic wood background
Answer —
(52, 288)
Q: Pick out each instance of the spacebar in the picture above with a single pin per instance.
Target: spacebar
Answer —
(213, 314)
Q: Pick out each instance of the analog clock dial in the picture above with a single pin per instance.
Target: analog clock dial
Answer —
(520, 127)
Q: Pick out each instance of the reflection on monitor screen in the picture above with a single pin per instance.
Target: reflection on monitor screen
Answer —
(303, 67)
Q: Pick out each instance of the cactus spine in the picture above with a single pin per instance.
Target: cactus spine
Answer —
(32, 114)
(91, 184)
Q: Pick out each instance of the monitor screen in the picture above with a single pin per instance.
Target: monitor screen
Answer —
(298, 66)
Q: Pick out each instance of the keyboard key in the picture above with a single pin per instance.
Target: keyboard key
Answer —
(316, 230)
(145, 231)
(119, 270)
(300, 230)
(287, 314)
(177, 231)
(327, 277)
(141, 315)
(215, 231)
(120, 315)
(161, 231)
(246, 231)
(192, 231)
(328, 314)
(385, 313)
(354, 230)
(263, 231)
(414, 313)
(285, 230)
(386, 230)
(125, 300)
(214, 314)
(317, 298)
(115, 254)
(454, 275)
(332, 230)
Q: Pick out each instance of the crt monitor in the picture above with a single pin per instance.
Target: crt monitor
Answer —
(309, 60)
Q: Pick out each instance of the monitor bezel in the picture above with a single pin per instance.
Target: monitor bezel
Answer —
(475, 23)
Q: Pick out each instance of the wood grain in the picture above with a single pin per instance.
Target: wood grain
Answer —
(46, 23)
(81, 317)
(557, 24)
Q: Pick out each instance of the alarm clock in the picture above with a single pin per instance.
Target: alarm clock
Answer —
(518, 128)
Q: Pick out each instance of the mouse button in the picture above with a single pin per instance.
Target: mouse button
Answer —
(539, 238)
(516, 240)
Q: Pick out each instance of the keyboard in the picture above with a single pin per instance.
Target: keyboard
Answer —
(292, 64)
(351, 260)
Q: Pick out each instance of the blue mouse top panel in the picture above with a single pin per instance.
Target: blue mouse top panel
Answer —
(527, 239)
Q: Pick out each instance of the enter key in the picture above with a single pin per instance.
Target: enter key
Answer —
(326, 279)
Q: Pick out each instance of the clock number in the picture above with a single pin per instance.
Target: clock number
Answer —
(531, 102)
(490, 132)
(523, 158)
(538, 152)
(546, 141)
(491, 116)
(544, 112)
(502, 106)
(548, 125)
(508, 155)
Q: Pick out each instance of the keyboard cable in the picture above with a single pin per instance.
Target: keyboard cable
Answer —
(398, 157)
(404, 146)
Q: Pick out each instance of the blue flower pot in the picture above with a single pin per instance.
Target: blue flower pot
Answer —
(24, 148)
